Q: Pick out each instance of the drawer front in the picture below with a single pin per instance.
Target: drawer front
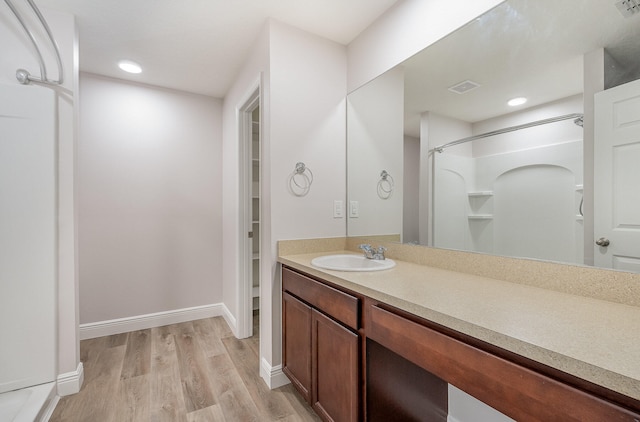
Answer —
(510, 388)
(339, 305)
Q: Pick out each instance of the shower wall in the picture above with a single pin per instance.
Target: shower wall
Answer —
(516, 194)
(27, 237)
(523, 203)
(18, 53)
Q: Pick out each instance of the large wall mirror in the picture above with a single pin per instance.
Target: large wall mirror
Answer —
(437, 157)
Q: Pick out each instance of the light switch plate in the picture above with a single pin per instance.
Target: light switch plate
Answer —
(337, 209)
(354, 209)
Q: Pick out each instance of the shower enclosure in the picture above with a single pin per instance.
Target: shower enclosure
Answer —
(29, 216)
(513, 192)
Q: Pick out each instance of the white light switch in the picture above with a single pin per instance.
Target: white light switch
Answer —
(337, 209)
(354, 209)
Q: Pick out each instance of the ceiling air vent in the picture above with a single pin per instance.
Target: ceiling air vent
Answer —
(464, 87)
(628, 7)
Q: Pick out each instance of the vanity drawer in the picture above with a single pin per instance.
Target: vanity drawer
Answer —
(333, 302)
(519, 392)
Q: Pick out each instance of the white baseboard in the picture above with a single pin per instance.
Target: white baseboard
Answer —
(158, 319)
(70, 382)
(230, 319)
(273, 375)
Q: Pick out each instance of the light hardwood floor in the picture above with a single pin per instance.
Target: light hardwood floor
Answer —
(191, 372)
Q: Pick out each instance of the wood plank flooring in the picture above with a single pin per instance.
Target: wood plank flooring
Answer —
(191, 372)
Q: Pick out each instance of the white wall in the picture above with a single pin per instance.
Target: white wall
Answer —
(308, 86)
(255, 70)
(17, 53)
(466, 408)
(405, 29)
(554, 133)
(375, 132)
(303, 119)
(150, 214)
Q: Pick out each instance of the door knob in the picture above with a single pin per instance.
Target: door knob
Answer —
(603, 241)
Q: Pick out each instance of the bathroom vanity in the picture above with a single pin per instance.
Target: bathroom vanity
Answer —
(384, 345)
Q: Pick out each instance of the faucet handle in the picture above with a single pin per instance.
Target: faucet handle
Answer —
(364, 247)
(380, 252)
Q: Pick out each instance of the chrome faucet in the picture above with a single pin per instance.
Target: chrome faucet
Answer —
(370, 253)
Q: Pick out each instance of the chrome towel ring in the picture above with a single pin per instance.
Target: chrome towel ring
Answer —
(300, 180)
(385, 185)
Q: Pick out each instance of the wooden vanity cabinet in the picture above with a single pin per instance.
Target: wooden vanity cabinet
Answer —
(408, 363)
(321, 345)
(510, 387)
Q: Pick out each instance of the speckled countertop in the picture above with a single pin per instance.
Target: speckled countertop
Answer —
(593, 339)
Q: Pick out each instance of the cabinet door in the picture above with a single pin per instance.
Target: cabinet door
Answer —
(335, 370)
(296, 319)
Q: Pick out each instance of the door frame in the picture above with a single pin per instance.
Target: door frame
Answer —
(248, 103)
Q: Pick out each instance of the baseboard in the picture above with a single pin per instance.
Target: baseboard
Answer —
(158, 319)
(230, 319)
(273, 375)
(70, 382)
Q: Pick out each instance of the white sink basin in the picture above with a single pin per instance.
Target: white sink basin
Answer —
(351, 263)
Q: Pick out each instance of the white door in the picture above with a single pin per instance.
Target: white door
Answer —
(617, 178)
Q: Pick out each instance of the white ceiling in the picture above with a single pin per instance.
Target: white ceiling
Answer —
(199, 45)
(524, 48)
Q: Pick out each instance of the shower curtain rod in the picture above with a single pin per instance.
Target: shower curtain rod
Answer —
(576, 116)
(23, 76)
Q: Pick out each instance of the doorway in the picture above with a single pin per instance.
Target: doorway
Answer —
(250, 206)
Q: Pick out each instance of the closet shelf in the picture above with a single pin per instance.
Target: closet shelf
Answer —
(255, 292)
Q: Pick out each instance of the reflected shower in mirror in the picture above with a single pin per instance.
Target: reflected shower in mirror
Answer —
(525, 193)
(517, 193)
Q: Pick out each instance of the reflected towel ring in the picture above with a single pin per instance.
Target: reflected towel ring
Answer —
(300, 180)
(385, 185)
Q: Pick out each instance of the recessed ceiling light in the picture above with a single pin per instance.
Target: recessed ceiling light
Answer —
(129, 66)
(517, 101)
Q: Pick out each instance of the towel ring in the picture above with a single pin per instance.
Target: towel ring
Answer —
(300, 180)
(385, 185)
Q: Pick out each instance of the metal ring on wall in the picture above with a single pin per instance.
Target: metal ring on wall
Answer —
(300, 180)
(385, 185)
